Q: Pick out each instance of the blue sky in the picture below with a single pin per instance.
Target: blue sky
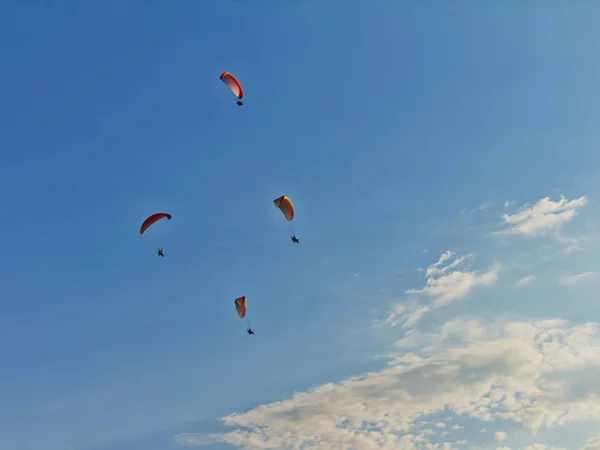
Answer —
(401, 131)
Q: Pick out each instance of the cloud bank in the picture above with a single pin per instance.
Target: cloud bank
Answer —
(537, 374)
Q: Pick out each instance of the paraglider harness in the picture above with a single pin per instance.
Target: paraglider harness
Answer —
(295, 239)
(240, 103)
(159, 252)
(249, 331)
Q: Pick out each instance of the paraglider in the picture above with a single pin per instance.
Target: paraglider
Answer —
(151, 221)
(234, 85)
(240, 307)
(287, 208)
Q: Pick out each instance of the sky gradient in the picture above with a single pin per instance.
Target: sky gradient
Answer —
(406, 133)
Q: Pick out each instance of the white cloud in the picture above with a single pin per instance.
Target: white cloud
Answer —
(502, 448)
(581, 277)
(506, 204)
(543, 217)
(408, 314)
(533, 374)
(445, 284)
(525, 281)
(481, 207)
(434, 268)
(457, 427)
(542, 447)
(592, 444)
(500, 435)
(440, 425)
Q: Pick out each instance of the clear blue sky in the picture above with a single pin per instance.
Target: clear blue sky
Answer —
(381, 120)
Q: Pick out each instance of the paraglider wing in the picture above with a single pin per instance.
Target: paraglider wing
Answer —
(152, 220)
(233, 84)
(285, 205)
(240, 306)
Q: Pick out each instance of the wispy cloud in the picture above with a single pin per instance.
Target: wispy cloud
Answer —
(525, 281)
(579, 278)
(534, 374)
(542, 447)
(445, 284)
(435, 268)
(407, 314)
(456, 285)
(483, 206)
(546, 216)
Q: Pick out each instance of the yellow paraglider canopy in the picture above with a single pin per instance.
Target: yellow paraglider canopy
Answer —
(240, 306)
(285, 206)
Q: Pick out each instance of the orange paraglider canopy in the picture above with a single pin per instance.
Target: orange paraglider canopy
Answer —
(152, 220)
(233, 84)
(285, 205)
(240, 306)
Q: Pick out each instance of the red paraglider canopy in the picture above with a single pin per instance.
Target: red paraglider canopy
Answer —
(233, 84)
(153, 219)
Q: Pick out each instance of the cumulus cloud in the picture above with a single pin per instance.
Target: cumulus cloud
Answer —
(546, 216)
(534, 374)
(581, 277)
(445, 284)
(500, 435)
(525, 281)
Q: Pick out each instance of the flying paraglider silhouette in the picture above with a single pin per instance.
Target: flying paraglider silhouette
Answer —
(240, 307)
(234, 86)
(151, 221)
(287, 208)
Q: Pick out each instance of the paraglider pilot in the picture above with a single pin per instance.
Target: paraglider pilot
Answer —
(295, 239)
(159, 252)
(250, 331)
(239, 103)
